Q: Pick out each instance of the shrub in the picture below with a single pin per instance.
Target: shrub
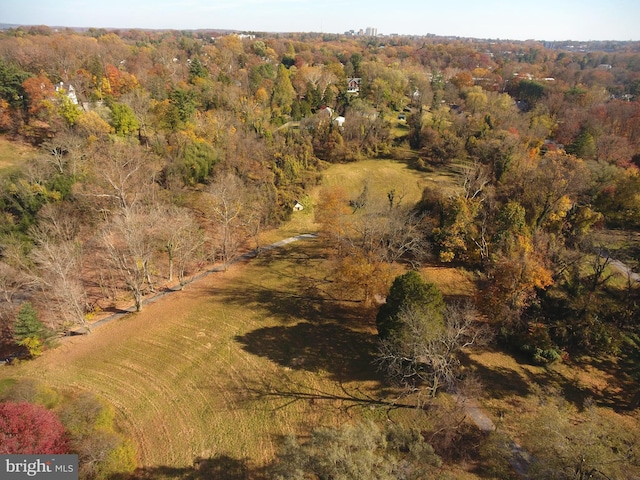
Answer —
(26, 428)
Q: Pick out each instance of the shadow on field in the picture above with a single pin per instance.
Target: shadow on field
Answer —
(341, 399)
(498, 382)
(344, 353)
(221, 467)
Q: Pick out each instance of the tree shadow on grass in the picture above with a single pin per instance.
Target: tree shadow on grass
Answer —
(344, 353)
(297, 294)
(276, 394)
(221, 467)
(498, 382)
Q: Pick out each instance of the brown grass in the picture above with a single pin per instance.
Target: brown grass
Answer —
(13, 153)
(225, 367)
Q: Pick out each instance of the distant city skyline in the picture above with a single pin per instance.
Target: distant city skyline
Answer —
(579, 20)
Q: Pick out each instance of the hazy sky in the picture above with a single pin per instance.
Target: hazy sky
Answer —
(504, 19)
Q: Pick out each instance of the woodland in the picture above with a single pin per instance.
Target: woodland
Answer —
(131, 161)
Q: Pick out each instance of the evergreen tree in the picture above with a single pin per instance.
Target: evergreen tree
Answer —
(28, 325)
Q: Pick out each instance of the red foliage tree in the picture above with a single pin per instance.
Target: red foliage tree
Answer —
(27, 429)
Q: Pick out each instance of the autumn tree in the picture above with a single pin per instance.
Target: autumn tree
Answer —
(517, 271)
(90, 423)
(39, 93)
(29, 429)
(356, 451)
(567, 444)
(123, 119)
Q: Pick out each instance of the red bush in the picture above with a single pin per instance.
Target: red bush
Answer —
(26, 428)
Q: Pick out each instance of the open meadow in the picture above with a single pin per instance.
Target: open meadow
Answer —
(238, 359)
(225, 368)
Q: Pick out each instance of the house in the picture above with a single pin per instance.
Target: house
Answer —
(353, 85)
(297, 207)
(68, 90)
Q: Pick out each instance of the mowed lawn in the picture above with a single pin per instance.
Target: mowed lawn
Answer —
(238, 359)
(225, 367)
(382, 176)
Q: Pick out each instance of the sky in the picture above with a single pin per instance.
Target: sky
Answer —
(495, 19)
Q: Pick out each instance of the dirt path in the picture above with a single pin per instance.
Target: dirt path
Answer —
(521, 459)
(619, 265)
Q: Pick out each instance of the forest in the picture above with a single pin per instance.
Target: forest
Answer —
(131, 161)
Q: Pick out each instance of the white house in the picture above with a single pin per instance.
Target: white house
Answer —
(69, 90)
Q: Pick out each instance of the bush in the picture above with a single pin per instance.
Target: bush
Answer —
(27, 428)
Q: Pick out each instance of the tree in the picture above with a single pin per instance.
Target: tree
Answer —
(130, 241)
(16, 282)
(516, 273)
(122, 173)
(424, 351)
(29, 331)
(11, 84)
(566, 444)
(356, 452)
(39, 93)
(57, 254)
(197, 70)
(182, 240)
(102, 453)
(123, 119)
(283, 93)
(227, 204)
(29, 429)
(551, 186)
(408, 292)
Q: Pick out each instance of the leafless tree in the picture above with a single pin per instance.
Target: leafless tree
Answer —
(182, 239)
(130, 241)
(227, 207)
(425, 355)
(57, 255)
(123, 173)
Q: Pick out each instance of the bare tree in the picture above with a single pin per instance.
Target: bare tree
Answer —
(130, 241)
(425, 355)
(57, 255)
(227, 207)
(182, 239)
(65, 152)
(123, 173)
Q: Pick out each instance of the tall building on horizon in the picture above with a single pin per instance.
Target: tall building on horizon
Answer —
(371, 32)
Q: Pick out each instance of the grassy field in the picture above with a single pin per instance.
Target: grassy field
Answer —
(225, 367)
(383, 175)
(238, 359)
(13, 153)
